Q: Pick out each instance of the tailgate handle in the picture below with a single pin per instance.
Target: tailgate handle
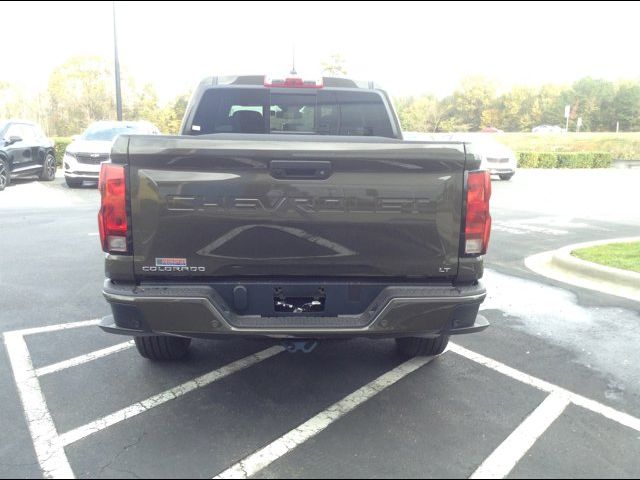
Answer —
(319, 170)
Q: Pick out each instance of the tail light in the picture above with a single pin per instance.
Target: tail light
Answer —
(112, 218)
(292, 82)
(478, 219)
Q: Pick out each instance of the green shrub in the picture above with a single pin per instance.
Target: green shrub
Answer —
(573, 160)
(528, 159)
(547, 160)
(60, 145)
(564, 160)
(584, 160)
(536, 160)
(602, 160)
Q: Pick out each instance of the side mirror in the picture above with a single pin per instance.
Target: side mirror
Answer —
(75, 138)
(14, 139)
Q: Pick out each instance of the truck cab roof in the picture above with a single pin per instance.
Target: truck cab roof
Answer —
(262, 80)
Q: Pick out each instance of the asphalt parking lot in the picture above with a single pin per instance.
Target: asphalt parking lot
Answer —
(552, 389)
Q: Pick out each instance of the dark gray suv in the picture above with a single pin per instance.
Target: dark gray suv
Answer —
(25, 151)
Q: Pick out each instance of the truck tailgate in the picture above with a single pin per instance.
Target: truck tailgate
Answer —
(294, 206)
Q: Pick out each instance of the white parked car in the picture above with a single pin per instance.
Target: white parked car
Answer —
(86, 152)
(547, 129)
(496, 157)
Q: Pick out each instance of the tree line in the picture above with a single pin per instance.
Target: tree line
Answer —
(82, 90)
(475, 104)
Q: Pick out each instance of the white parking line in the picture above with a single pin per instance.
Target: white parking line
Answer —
(519, 227)
(79, 360)
(49, 445)
(597, 407)
(283, 445)
(164, 397)
(46, 442)
(56, 328)
(518, 443)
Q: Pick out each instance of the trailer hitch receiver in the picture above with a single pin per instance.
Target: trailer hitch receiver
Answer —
(304, 346)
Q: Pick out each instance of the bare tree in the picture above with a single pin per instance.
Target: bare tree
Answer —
(335, 65)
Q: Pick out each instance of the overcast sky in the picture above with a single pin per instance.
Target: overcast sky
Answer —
(410, 48)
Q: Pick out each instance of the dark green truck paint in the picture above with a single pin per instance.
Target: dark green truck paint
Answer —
(369, 227)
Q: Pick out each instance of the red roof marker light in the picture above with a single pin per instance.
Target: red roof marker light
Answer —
(292, 82)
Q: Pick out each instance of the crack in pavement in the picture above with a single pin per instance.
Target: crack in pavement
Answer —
(124, 449)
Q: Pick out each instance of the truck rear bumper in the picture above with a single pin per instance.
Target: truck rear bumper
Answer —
(202, 311)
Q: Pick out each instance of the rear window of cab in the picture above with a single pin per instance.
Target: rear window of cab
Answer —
(322, 112)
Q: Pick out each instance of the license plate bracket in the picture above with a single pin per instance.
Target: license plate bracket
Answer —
(298, 304)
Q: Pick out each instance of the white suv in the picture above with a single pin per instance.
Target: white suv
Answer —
(86, 152)
(496, 157)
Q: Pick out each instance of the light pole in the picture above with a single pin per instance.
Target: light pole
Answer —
(117, 66)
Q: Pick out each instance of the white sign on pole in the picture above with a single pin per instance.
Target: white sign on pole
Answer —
(567, 111)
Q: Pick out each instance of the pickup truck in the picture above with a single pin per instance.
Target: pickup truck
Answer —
(294, 210)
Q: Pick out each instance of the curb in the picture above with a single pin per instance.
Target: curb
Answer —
(561, 266)
(563, 258)
(625, 163)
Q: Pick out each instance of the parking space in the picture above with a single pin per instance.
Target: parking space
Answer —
(242, 408)
(571, 440)
(551, 389)
(433, 432)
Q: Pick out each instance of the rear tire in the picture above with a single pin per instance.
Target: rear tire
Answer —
(506, 176)
(162, 348)
(5, 174)
(422, 347)
(73, 182)
(49, 168)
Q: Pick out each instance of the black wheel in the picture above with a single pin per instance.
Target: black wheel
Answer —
(161, 348)
(422, 347)
(73, 182)
(506, 176)
(48, 168)
(5, 175)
